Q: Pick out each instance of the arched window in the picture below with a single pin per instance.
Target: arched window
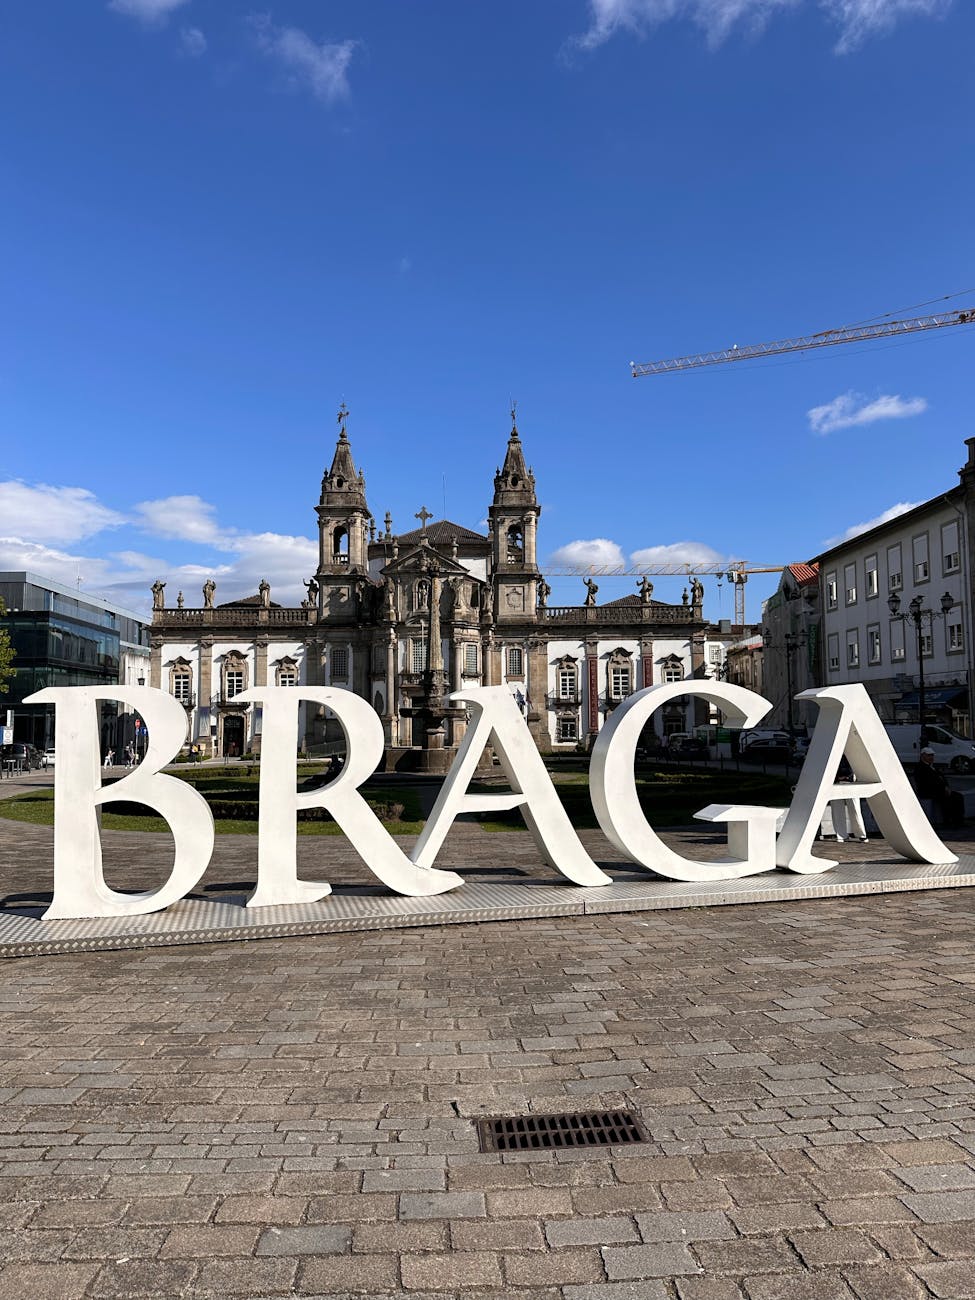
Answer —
(619, 675)
(340, 545)
(181, 681)
(566, 678)
(286, 673)
(672, 670)
(234, 674)
(516, 544)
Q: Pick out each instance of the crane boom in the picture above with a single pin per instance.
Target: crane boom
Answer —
(805, 342)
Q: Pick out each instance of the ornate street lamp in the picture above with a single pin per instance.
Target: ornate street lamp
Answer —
(917, 613)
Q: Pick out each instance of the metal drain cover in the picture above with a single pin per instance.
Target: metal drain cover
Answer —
(591, 1128)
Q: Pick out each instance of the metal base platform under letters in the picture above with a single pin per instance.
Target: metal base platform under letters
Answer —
(202, 920)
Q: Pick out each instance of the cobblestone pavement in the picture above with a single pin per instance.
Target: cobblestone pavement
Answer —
(293, 1117)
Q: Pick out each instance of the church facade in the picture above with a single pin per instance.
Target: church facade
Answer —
(404, 620)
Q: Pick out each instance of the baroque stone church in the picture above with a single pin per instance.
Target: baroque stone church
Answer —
(403, 620)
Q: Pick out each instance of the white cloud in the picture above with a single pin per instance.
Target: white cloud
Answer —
(857, 19)
(901, 508)
(147, 11)
(596, 551)
(184, 519)
(850, 409)
(194, 42)
(695, 554)
(53, 514)
(320, 68)
(860, 19)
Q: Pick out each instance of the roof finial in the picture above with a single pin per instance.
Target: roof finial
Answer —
(514, 426)
(343, 415)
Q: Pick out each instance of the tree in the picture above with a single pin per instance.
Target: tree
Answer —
(7, 653)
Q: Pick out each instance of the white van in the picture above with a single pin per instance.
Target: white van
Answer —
(950, 750)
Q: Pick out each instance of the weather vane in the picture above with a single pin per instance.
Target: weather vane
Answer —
(343, 415)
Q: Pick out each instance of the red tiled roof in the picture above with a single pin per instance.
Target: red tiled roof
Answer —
(804, 574)
(441, 532)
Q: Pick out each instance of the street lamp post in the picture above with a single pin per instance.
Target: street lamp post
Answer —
(916, 614)
(792, 642)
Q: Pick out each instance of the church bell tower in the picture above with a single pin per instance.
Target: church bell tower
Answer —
(513, 516)
(343, 516)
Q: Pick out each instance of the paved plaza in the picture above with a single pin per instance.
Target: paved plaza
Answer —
(294, 1116)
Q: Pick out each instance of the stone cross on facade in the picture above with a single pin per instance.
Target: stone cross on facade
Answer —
(423, 514)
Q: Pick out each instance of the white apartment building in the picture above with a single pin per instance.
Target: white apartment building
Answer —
(920, 563)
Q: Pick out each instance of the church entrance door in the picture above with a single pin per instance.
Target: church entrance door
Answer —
(233, 735)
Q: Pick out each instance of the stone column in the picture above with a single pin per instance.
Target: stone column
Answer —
(155, 662)
(260, 663)
(646, 661)
(701, 710)
(536, 688)
(205, 711)
(591, 687)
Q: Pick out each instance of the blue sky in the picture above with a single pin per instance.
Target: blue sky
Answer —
(219, 221)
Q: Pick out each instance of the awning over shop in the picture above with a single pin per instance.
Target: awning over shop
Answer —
(935, 697)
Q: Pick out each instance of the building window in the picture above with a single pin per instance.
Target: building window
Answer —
(183, 685)
(927, 643)
(950, 555)
(956, 638)
(378, 660)
(619, 681)
(516, 544)
(673, 673)
(850, 583)
(470, 658)
(895, 569)
(920, 549)
(340, 661)
(516, 662)
(418, 654)
(567, 728)
(873, 645)
(897, 640)
(567, 683)
(287, 674)
(833, 651)
(871, 578)
(235, 682)
(831, 591)
(853, 649)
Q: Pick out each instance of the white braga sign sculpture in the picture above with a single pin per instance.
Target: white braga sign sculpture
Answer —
(847, 724)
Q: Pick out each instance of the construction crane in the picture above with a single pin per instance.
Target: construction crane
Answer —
(884, 329)
(735, 572)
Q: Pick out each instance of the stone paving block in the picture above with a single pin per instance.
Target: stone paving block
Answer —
(346, 1209)
(141, 1278)
(591, 1232)
(937, 1178)
(246, 1277)
(553, 1268)
(357, 1275)
(406, 1238)
(884, 1282)
(937, 1151)
(45, 1281)
(317, 1239)
(534, 1203)
(739, 1258)
(797, 1286)
(167, 1209)
(763, 1219)
(942, 1207)
(404, 1180)
(704, 1194)
(261, 1209)
(702, 1226)
(949, 1281)
(113, 1242)
(442, 1205)
(457, 1271)
(707, 1288)
(833, 1246)
(871, 1209)
(643, 1290)
(662, 1259)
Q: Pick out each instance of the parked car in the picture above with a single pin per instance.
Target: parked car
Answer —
(22, 753)
(950, 749)
(47, 758)
(767, 751)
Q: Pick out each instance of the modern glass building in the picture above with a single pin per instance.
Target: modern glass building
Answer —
(68, 638)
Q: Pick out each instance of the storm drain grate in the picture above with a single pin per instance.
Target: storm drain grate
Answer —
(591, 1128)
